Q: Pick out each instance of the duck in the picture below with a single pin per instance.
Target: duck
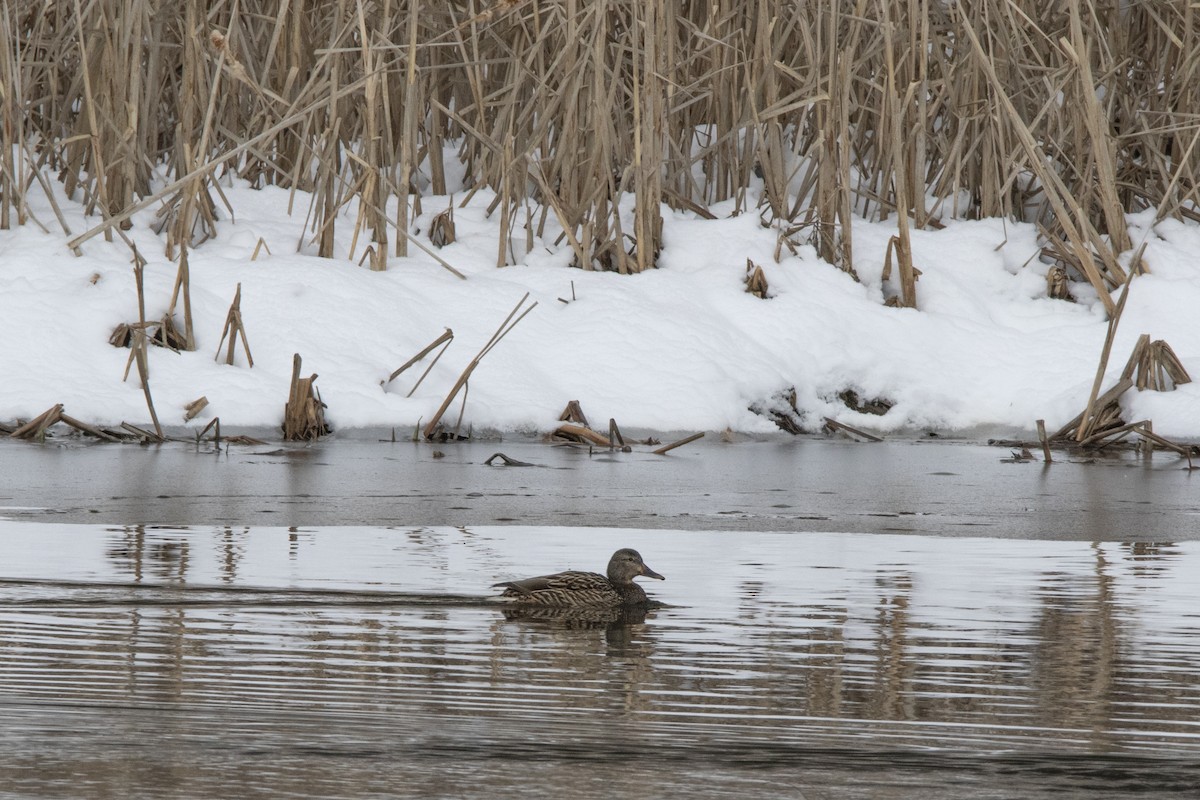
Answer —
(573, 589)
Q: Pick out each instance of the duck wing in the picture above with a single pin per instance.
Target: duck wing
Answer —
(562, 589)
(571, 581)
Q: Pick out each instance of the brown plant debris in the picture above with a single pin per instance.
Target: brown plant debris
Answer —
(36, 428)
(121, 336)
(833, 425)
(615, 438)
(876, 405)
(304, 413)
(907, 297)
(1022, 456)
(139, 356)
(168, 336)
(680, 443)
(242, 439)
(506, 461)
(234, 327)
(214, 425)
(1151, 366)
(441, 229)
(579, 434)
(193, 408)
(443, 341)
(574, 413)
(434, 428)
(1044, 439)
(142, 435)
(1154, 365)
(781, 409)
(161, 333)
(578, 431)
(1057, 285)
(756, 280)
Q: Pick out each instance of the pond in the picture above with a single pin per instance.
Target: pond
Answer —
(155, 659)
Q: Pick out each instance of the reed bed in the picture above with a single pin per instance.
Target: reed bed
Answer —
(584, 118)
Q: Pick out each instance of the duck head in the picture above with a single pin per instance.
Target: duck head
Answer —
(626, 564)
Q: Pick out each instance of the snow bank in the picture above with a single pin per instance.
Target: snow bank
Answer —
(680, 347)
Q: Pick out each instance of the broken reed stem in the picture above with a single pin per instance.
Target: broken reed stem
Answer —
(835, 425)
(669, 447)
(304, 413)
(36, 427)
(183, 284)
(587, 434)
(1076, 424)
(143, 365)
(1143, 429)
(193, 408)
(84, 427)
(1114, 319)
(233, 327)
(215, 426)
(506, 326)
(1041, 429)
(444, 339)
(1110, 435)
(614, 434)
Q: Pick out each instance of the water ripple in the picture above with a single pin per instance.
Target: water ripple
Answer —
(938, 668)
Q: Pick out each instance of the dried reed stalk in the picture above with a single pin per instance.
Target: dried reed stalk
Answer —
(140, 357)
(1089, 416)
(459, 385)
(1154, 366)
(1068, 114)
(304, 413)
(233, 327)
(680, 443)
(195, 407)
(442, 341)
(36, 428)
(582, 434)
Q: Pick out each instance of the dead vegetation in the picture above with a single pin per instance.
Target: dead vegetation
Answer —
(576, 432)
(585, 119)
(304, 413)
(1068, 114)
(434, 429)
(756, 281)
(1152, 365)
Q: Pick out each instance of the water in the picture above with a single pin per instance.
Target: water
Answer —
(361, 661)
(920, 487)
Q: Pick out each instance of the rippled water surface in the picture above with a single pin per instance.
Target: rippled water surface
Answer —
(366, 661)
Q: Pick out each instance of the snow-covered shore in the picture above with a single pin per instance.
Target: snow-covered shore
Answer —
(680, 347)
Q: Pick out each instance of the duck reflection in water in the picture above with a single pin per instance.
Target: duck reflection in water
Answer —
(581, 618)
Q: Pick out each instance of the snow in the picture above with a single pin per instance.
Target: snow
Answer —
(682, 347)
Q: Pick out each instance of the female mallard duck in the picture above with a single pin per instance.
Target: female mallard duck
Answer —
(568, 589)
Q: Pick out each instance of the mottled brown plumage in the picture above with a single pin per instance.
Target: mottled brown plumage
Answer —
(570, 589)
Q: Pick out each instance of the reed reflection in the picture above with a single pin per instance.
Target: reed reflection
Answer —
(156, 557)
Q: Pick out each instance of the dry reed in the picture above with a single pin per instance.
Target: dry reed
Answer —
(595, 114)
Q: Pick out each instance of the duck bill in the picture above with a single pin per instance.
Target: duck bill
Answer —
(649, 573)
